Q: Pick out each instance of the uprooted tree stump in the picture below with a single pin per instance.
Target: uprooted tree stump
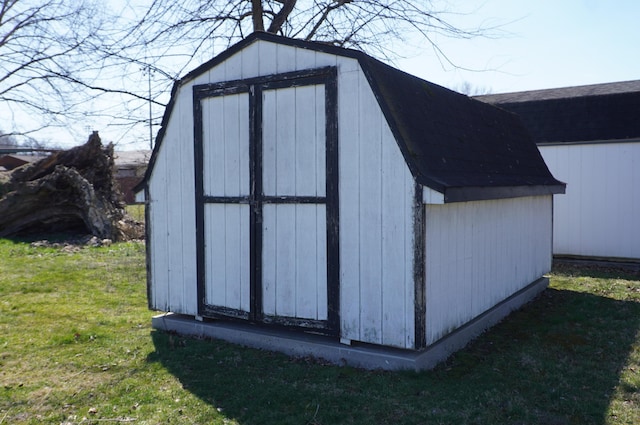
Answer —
(69, 191)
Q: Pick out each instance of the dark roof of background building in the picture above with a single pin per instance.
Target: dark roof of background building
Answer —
(600, 112)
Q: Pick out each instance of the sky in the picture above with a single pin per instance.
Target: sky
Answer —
(535, 45)
(544, 44)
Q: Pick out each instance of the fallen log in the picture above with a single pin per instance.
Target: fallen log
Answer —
(69, 191)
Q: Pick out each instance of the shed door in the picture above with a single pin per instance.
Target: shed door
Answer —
(268, 210)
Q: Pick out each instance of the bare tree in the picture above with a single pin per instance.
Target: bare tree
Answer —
(7, 140)
(378, 27)
(471, 90)
(42, 44)
(172, 37)
(57, 68)
(74, 61)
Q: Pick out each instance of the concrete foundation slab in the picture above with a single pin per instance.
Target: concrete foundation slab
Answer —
(365, 356)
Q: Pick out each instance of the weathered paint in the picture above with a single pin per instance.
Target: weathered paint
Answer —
(376, 253)
(376, 237)
(294, 250)
(289, 171)
(171, 203)
(600, 214)
(480, 253)
(474, 253)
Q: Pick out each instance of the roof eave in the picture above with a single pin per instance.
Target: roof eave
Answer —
(484, 193)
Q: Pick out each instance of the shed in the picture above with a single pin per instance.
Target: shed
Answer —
(590, 138)
(314, 200)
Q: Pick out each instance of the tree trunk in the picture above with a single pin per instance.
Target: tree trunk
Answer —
(69, 191)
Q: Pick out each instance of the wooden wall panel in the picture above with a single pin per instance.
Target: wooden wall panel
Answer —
(598, 215)
(479, 253)
(158, 252)
(265, 58)
(172, 217)
(370, 217)
(226, 145)
(294, 266)
(294, 141)
(227, 253)
(376, 242)
(349, 189)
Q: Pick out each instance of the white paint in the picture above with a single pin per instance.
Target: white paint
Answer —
(430, 196)
(376, 221)
(227, 256)
(480, 253)
(294, 266)
(171, 203)
(226, 145)
(294, 262)
(293, 141)
(140, 197)
(599, 216)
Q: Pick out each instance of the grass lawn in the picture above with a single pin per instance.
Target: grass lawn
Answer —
(76, 347)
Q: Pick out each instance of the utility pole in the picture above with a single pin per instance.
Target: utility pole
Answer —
(150, 111)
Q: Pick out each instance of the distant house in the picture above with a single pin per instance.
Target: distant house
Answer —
(9, 161)
(130, 168)
(589, 137)
(301, 186)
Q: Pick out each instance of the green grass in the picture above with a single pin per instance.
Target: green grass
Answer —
(136, 211)
(76, 347)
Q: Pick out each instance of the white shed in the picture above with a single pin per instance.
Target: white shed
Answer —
(297, 185)
(590, 138)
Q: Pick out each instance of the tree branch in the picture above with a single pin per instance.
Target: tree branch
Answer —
(256, 14)
(281, 16)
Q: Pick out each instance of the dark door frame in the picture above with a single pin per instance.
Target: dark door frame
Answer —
(256, 199)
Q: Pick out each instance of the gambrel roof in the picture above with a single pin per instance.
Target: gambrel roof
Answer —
(451, 143)
(598, 112)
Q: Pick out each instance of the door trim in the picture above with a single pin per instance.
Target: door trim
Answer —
(326, 76)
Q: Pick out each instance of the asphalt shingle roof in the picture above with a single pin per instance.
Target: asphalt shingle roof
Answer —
(600, 112)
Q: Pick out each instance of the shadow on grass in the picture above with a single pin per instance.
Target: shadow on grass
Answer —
(556, 361)
(598, 269)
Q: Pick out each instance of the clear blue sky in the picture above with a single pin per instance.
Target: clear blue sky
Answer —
(545, 44)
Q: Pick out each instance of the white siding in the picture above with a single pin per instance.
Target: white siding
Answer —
(430, 196)
(140, 197)
(172, 216)
(227, 256)
(226, 145)
(265, 58)
(294, 266)
(226, 173)
(599, 216)
(376, 221)
(479, 253)
(293, 139)
(294, 250)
